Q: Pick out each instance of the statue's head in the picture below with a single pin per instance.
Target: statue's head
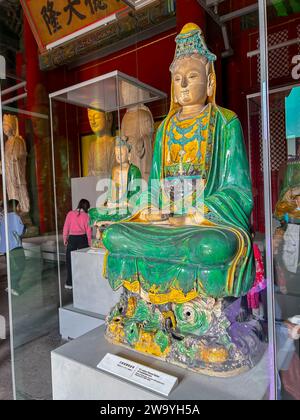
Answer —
(193, 74)
(100, 121)
(131, 94)
(122, 150)
(10, 125)
(138, 126)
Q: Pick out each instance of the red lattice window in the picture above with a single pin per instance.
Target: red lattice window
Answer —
(279, 58)
(278, 135)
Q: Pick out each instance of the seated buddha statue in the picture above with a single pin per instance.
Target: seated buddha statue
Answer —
(124, 188)
(100, 157)
(186, 251)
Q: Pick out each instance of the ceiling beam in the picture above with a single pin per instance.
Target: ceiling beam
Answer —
(210, 12)
(239, 13)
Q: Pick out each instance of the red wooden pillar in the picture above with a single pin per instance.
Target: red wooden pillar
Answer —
(21, 102)
(33, 73)
(37, 102)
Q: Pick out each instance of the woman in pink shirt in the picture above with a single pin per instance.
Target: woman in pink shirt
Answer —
(77, 234)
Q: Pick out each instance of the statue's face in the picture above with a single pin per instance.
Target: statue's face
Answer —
(190, 81)
(297, 199)
(122, 155)
(97, 120)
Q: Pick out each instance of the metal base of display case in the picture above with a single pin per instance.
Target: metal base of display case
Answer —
(75, 376)
(74, 323)
(44, 248)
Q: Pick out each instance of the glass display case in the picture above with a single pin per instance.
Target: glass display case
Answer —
(80, 311)
(27, 234)
(79, 152)
(109, 111)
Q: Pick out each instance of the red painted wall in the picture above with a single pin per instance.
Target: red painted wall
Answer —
(38, 135)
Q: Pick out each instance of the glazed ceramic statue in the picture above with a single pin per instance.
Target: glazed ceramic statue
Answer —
(124, 186)
(15, 163)
(102, 149)
(138, 126)
(288, 206)
(288, 213)
(187, 248)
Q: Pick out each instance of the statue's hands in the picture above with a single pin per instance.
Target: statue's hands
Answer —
(196, 215)
(151, 214)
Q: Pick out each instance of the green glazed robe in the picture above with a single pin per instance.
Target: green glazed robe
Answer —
(211, 261)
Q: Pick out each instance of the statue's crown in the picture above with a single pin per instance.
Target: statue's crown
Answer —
(10, 119)
(191, 41)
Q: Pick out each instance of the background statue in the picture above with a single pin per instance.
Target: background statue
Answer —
(125, 186)
(287, 211)
(15, 163)
(101, 153)
(288, 206)
(138, 126)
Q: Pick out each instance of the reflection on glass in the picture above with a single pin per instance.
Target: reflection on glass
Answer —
(287, 259)
(31, 254)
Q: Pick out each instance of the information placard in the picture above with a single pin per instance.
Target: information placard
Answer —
(140, 375)
(52, 21)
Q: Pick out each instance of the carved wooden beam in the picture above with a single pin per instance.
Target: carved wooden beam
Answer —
(144, 23)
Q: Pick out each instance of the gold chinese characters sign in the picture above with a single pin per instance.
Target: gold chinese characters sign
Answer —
(53, 20)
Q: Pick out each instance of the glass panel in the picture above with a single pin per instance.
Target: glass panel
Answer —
(83, 170)
(109, 92)
(242, 77)
(6, 388)
(64, 154)
(283, 40)
(28, 240)
(36, 258)
(246, 311)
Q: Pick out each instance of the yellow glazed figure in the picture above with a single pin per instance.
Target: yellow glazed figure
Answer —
(101, 153)
(288, 207)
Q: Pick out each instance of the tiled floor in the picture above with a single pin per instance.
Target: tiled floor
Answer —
(35, 331)
(5, 365)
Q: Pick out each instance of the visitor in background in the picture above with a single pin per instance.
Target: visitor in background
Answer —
(77, 234)
(1, 211)
(16, 229)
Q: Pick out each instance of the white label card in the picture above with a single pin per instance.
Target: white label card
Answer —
(143, 376)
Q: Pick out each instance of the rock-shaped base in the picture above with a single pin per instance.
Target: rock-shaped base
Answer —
(202, 335)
